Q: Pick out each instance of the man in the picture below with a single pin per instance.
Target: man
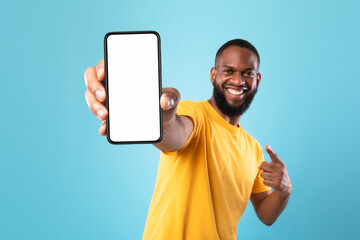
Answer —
(209, 165)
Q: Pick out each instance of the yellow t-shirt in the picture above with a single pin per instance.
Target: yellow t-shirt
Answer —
(202, 190)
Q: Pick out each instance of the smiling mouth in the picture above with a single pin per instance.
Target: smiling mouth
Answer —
(236, 92)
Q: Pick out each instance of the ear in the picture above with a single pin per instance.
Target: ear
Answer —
(258, 79)
(212, 74)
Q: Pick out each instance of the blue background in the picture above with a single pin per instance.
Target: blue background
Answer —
(59, 179)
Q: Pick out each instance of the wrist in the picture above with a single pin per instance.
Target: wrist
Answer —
(285, 192)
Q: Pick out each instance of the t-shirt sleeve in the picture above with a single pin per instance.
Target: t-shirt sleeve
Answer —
(259, 185)
(192, 111)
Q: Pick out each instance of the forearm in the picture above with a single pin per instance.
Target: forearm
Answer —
(272, 206)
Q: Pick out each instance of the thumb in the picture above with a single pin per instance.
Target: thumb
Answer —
(169, 99)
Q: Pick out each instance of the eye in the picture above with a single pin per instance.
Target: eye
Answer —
(249, 74)
(228, 71)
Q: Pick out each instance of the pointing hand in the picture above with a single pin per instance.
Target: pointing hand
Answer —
(275, 173)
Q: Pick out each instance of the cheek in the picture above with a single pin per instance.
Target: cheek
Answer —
(219, 82)
(223, 79)
(252, 83)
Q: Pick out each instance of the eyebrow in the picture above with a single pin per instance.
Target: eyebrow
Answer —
(246, 69)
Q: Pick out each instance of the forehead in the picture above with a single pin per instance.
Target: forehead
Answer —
(239, 57)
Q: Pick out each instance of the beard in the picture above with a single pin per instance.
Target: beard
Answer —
(226, 108)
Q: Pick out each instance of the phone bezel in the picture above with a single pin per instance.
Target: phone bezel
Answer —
(106, 86)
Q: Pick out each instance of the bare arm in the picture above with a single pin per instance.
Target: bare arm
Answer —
(176, 129)
(269, 205)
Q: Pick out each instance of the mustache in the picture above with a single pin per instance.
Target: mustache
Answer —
(233, 85)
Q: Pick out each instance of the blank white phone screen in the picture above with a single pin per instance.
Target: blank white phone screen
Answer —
(133, 87)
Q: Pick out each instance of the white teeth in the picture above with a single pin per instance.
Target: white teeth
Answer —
(232, 91)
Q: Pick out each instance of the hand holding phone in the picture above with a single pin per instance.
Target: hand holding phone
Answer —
(95, 94)
(174, 135)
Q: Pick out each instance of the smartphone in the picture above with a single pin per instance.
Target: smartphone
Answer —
(133, 87)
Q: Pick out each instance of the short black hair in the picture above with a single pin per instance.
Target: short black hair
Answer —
(239, 43)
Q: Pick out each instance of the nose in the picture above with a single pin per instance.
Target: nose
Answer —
(238, 79)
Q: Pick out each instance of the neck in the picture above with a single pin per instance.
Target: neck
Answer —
(232, 120)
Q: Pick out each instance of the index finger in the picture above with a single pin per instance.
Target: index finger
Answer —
(274, 157)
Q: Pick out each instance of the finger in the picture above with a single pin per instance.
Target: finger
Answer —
(169, 99)
(96, 107)
(274, 157)
(93, 84)
(266, 175)
(102, 129)
(269, 183)
(100, 70)
(267, 167)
